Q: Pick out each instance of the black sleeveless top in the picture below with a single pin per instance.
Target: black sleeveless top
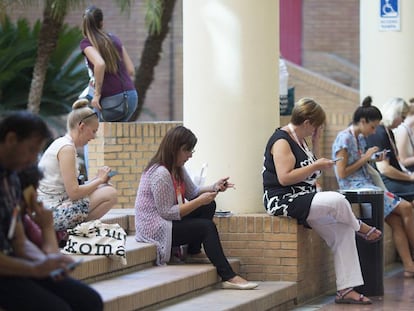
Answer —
(294, 200)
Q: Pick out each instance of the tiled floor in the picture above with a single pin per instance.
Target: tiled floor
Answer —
(398, 296)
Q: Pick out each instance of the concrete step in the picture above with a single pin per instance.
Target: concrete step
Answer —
(94, 268)
(124, 217)
(156, 285)
(140, 285)
(267, 296)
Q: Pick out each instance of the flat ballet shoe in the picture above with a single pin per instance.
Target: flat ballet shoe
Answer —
(230, 285)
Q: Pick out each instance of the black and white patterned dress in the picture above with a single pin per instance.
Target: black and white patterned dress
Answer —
(293, 200)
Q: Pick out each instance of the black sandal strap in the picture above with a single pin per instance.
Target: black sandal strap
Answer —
(345, 292)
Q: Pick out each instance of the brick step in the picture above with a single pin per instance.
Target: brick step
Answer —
(155, 285)
(267, 296)
(94, 268)
(125, 217)
(140, 285)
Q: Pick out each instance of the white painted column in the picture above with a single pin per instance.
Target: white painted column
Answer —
(387, 62)
(231, 54)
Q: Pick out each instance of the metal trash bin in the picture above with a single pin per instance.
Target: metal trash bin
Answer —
(371, 255)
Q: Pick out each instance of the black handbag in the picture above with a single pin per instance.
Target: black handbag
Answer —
(115, 108)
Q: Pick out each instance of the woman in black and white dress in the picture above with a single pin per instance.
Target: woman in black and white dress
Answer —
(289, 177)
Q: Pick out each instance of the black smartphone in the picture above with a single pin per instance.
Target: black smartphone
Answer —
(57, 272)
(338, 159)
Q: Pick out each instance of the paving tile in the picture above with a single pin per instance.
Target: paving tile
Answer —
(398, 296)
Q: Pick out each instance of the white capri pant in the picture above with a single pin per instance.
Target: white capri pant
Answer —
(332, 218)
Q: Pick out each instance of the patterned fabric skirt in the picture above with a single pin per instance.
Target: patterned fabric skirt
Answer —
(66, 213)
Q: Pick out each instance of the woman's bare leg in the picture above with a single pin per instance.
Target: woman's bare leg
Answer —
(101, 201)
(400, 241)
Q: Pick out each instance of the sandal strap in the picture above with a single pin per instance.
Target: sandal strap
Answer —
(370, 231)
(345, 292)
(361, 297)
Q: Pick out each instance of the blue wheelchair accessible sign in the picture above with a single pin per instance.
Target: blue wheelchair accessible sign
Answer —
(389, 15)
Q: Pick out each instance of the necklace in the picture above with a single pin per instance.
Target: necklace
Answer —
(303, 146)
(356, 140)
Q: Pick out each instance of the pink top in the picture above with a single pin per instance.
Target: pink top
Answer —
(156, 207)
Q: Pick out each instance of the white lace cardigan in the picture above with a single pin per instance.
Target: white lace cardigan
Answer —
(156, 207)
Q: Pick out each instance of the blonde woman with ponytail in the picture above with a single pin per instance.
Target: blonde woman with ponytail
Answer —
(112, 68)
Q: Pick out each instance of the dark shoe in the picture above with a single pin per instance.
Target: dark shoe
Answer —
(178, 255)
(174, 260)
(340, 298)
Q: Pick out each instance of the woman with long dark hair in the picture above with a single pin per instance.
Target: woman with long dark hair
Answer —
(170, 210)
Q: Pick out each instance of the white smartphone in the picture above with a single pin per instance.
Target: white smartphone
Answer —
(338, 159)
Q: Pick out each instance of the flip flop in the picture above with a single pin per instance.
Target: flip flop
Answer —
(366, 235)
(340, 298)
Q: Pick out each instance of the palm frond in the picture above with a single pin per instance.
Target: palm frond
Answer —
(153, 9)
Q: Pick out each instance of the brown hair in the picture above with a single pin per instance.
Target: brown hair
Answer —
(308, 109)
(92, 29)
(175, 139)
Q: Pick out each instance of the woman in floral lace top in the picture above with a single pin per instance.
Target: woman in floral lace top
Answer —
(170, 210)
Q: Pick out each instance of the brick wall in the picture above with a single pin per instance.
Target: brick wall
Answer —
(332, 27)
(269, 248)
(127, 148)
(277, 249)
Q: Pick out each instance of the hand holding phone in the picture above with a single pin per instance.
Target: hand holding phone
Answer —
(70, 267)
(377, 155)
(112, 173)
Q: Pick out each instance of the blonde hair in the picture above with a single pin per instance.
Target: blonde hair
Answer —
(80, 113)
(308, 109)
(411, 107)
(393, 109)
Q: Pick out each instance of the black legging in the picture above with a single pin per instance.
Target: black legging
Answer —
(18, 293)
(198, 228)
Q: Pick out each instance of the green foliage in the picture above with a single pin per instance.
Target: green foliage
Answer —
(153, 14)
(66, 75)
(17, 57)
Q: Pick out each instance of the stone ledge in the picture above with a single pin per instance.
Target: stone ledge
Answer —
(278, 249)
